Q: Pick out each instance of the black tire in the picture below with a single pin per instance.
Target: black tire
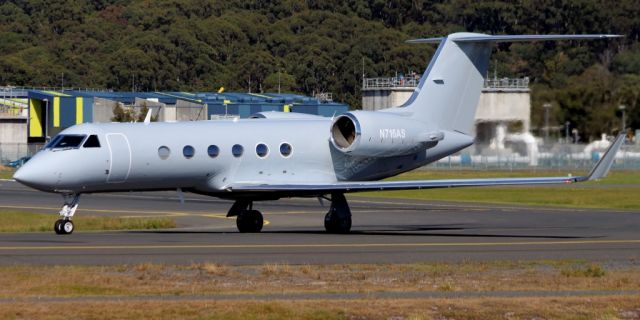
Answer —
(249, 221)
(57, 227)
(334, 224)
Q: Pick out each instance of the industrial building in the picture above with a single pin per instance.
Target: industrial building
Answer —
(29, 116)
(503, 102)
(502, 120)
(53, 111)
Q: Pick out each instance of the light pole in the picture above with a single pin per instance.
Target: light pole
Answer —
(623, 109)
(546, 107)
(566, 131)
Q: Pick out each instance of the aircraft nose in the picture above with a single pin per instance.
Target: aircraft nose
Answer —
(34, 176)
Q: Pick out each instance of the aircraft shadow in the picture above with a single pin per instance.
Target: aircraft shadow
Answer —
(410, 231)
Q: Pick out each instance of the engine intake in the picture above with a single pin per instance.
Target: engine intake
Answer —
(344, 131)
(378, 134)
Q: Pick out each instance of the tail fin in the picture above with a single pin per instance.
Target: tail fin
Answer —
(448, 93)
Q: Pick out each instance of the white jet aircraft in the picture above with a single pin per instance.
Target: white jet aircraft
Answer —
(276, 155)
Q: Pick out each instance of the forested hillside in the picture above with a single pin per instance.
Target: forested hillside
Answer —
(320, 46)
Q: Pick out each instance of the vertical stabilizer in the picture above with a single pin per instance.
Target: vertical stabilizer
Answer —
(447, 96)
(449, 90)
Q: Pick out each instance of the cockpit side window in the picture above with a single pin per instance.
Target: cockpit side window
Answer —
(92, 142)
(68, 141)
(52, 142)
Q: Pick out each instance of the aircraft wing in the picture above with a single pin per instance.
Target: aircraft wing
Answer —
(599, 171)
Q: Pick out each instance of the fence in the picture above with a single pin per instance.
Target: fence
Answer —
(568, 158)
(14, 151)
(560, 157)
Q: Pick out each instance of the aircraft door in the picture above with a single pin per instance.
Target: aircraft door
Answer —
(119, 157)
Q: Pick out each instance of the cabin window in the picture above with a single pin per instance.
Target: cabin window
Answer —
(188, 152)
(68, 141)
(213, 151)
(237, 150)
(262, 150)
(285, 149)
(164, 152)
(92, 142)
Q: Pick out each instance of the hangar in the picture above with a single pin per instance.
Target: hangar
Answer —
(52, 111)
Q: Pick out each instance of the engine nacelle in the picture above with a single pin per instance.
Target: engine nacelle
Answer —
(380, 134)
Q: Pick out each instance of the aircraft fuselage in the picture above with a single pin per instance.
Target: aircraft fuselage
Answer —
(199, 157)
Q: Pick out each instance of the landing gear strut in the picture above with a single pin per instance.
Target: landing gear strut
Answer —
(248, 220)
(64, 225)
(338, 219)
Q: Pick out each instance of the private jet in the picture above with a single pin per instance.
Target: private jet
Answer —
(276, 155)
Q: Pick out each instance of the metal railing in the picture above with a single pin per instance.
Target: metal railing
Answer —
(412, 81)
(394, 82)
(627, 158)
(324, 97)
(507, 83)
(20, 91)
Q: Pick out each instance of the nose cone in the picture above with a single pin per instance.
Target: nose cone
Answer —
(34, 175)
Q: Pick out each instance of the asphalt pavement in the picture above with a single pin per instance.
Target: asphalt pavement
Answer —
(384, 231)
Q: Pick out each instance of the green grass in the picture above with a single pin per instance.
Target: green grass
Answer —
(588, 271)
(6, 172)
(614, 177)
(618, 191)
(37, 222)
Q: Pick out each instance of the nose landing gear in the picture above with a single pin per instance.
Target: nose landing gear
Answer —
(64, 225)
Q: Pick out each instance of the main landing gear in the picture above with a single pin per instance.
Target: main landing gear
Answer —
(248, 220)
(64, 225)
(338, 219)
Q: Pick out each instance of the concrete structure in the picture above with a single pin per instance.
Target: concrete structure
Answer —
(504, 106)
(13, 137)
(381, 93)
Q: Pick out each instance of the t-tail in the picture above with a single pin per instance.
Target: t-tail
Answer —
(448, 92)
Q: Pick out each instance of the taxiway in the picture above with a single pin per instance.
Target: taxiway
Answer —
(384, 231)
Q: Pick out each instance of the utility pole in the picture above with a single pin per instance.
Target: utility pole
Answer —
(363, 72)
(566, 131)
(546, 107)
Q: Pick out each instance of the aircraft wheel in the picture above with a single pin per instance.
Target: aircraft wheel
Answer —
(333, 223)
(63, 227)
(57, 227)
(249, 221)
(67, 227)
(338, 219)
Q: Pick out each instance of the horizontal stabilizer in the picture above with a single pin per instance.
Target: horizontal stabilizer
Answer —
(518, 38)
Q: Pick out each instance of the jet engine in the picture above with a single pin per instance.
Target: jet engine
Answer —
(380, 134)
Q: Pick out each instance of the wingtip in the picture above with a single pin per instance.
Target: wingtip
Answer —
(603, 166)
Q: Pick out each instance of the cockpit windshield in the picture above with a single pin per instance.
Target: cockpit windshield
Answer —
(66, 141)
(52, 142)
